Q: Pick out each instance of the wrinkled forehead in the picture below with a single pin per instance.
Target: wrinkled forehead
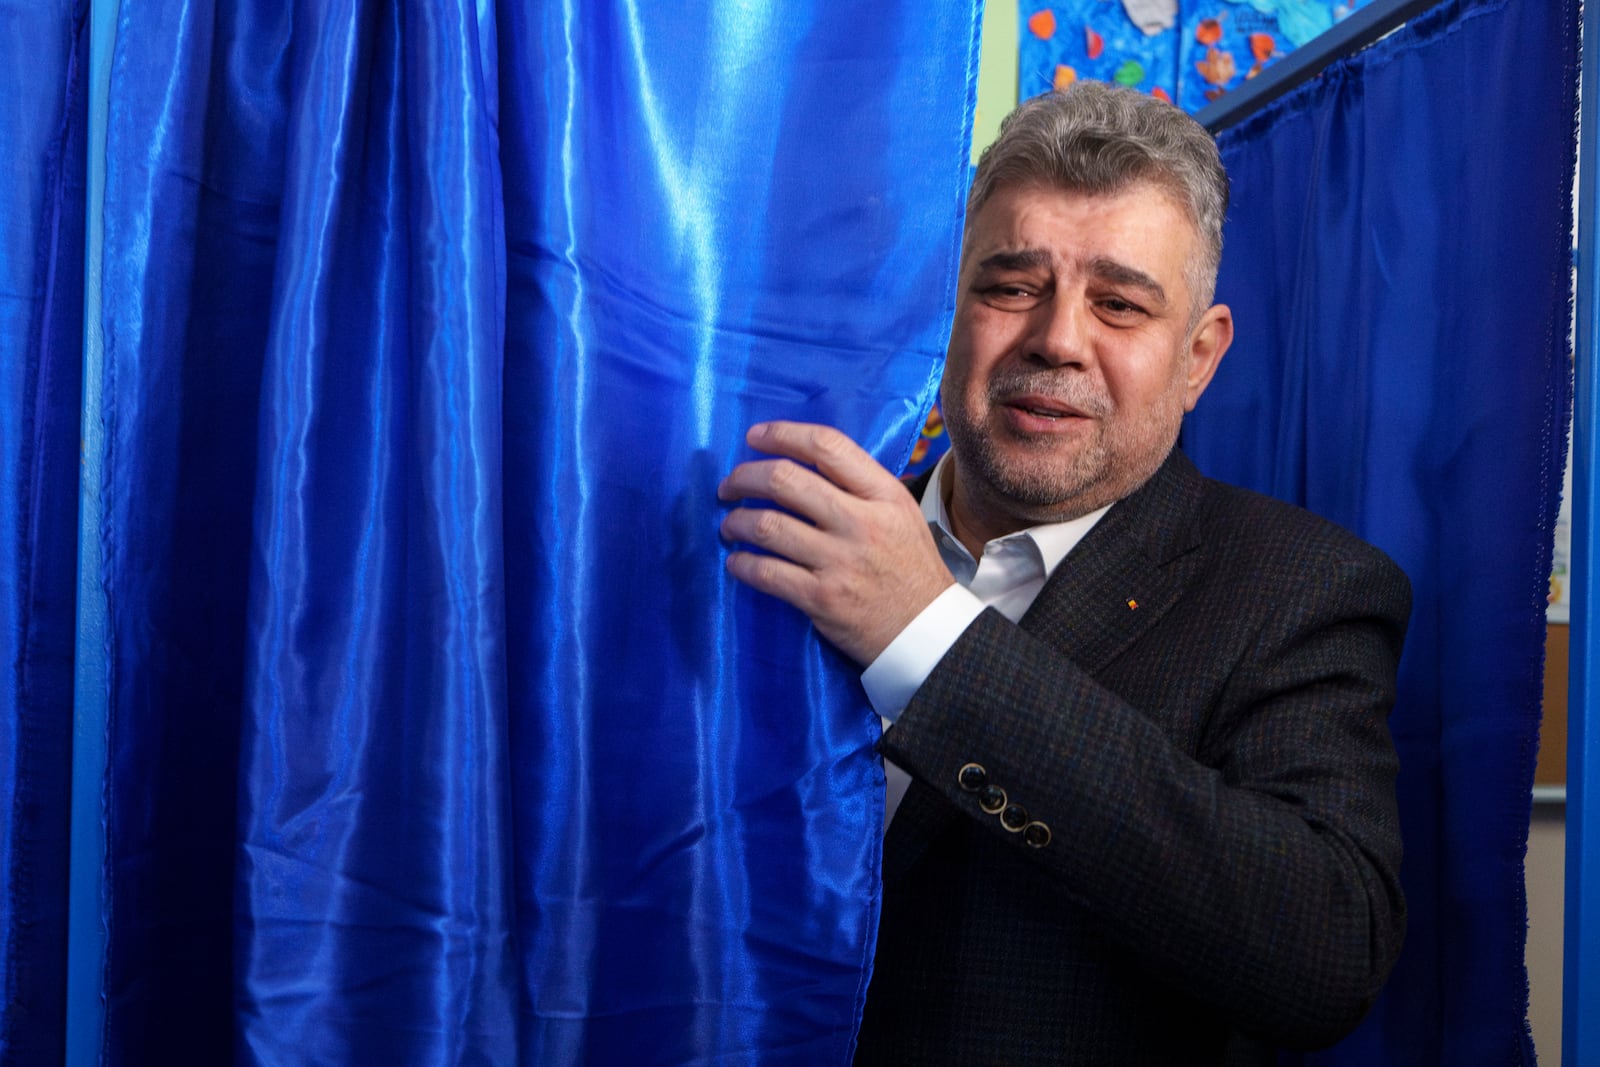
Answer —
(1019, 217)
(1161, 195)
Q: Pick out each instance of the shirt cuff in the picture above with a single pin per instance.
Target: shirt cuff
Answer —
(900, 669)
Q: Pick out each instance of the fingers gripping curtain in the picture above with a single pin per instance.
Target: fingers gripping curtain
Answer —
(1398, 263)
(435, 732)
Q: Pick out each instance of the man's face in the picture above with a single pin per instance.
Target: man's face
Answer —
(1072, 358)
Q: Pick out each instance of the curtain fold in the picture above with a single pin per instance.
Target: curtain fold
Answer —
(42, 125)
(678, 694)
(436, 733)
(1398, 262)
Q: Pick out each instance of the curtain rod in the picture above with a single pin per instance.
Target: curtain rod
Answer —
(1363, 27)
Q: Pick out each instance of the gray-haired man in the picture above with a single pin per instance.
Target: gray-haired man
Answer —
(1150, 815)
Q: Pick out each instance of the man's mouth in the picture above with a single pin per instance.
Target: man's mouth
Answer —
(1044, 408)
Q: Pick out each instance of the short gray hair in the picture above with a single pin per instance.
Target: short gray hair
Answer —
(1099, 139)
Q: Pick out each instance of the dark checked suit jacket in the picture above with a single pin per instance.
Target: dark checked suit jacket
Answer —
(1195, 707)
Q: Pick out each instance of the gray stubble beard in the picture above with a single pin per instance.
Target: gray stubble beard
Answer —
(1045, 492)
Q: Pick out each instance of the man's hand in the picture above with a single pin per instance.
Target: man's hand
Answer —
(850, 549)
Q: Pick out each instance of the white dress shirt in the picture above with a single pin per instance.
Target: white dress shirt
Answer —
(1008, 577)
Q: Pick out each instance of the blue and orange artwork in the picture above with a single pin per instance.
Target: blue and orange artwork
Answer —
(931, 444)
(1130, 42)
(1186, 51)
(1225, 43)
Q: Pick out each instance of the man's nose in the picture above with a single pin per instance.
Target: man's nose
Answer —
(1061, 334)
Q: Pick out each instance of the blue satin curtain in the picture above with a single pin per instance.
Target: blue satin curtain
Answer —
(435, 732)
(1398, 262)
(42, 117)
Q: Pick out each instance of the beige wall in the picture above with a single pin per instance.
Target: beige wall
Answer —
(1545, 873)
(997, 74)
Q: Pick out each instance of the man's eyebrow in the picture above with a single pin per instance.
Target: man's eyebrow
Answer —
(1109, 270)
(1018, 259)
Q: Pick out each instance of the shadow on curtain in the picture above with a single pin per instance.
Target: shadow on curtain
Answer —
(1398, 261)
(436, 734)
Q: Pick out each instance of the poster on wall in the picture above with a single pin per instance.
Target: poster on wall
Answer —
(1187, 51)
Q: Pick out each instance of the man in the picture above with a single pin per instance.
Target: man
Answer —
(1151, 817)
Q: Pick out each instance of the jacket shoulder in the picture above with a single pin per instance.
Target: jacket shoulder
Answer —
(1278, 543)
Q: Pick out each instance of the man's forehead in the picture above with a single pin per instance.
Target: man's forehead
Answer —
(1151, 186)
(1000, 231)
(1141, 194)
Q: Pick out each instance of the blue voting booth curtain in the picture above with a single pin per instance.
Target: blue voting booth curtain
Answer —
(1397, 259)
(42, 110)
(436, 733)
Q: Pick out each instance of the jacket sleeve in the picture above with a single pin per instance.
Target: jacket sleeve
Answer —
(1256, 866)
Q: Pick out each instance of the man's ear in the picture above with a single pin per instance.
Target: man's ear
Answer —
(1207, 342)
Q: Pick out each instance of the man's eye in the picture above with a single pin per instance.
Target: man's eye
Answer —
(1010, 295)
(1118, 306)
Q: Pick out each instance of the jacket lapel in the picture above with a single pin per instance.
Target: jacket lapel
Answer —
(1126, 572)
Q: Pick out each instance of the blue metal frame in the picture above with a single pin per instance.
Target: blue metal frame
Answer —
(86, 933)
(1580, 1014)
(1351, 35)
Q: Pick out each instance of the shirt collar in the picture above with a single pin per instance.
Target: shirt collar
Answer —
(1053, 540)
